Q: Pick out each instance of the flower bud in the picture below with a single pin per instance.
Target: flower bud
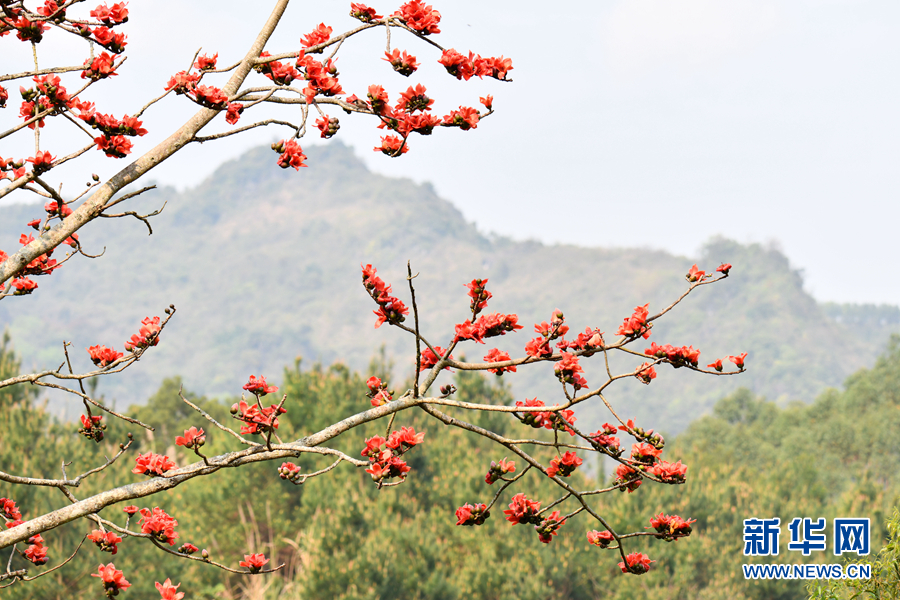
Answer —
(205, 554)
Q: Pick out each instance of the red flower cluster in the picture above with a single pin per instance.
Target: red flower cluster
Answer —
(111, 16)
(646, 373)
(10, 512)
(567, 371)
(636, 325)
(183, 82)
(254, 562)
(392, 146)
(319, 35)
(385, 463)
(187, 548)
(498, 470)
(496, 355)
(102, 356)
(148, 335)
(637, 563)
(469, 515)
(154, 465)
(36, 552)
(290, 472)
(549, 420)
(478, 294)
(168, 591)
(695, 275)
(291, 154)
(419, 17)
(256, 419)
(43, 161)
(549, 527)
(378, 391)
(321, 78)
(564, 465)
(629, 476)
(601, 539)
(259, 386)
(277, 71)
(105, 541)
(738, 360)
(101, 67)
(106, 37)
(605, 439)
(668, 472)
(206, 63)
(233, 113)
(363, 12)
(464, 67)
(523, 511)
(328, 126)
(429, 358)
(91, 427)
(192, 438)
(724, 268)
(540, 346)
(113, 579)
(686, 355)
(671, 527)
(390, 309)
(403, 63)
(589, 342)
(645, 453)
(54, 208)
(159, 525)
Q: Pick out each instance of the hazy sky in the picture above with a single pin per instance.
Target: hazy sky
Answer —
(642, 123)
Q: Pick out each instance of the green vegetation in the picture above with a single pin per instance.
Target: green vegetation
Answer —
(340, 537)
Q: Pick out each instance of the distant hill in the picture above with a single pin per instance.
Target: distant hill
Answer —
(263, 265)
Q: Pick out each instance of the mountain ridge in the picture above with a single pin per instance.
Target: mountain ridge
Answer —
(263, 265)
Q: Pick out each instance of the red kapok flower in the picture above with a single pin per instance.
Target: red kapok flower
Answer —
(564, 465)
(469, 515)
(419, 17)
(130, 510)
(738, 360)
(159, 524)
(498, 470)
(523, 511)
(254, 562)
(113, 579)
(188, 548)
(695, 275)
(601, 539)
(723, 269)
(154, 465)
(403, 63)
(206, 63)
(291, 154)
(169, 591)
(392, 146)
(192, 438)
(319, 35)
(637, 563)
(363, 12)
(259, 386)
(105, 541)
(496, 355)
(102, 356)
(549, 527)
(646, 373)
(717, 365)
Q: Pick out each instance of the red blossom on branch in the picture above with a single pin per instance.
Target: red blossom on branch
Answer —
(496, 355)
(291, 154)
(103, 356)
(159, 524)
(106, 541)
(637, 563)
(403, 63)
(147, 336)
(523, 511)
(192, 438)
(113, 579)
(319, 35)
(601, 539)
(738, 360)
(419, 17)
(498, 470)
(636, 325)
(259, 386)
(154, 465)
(363, 12)
(254, 562)
(564, 465)
(168, 591)
(549, 527)
(469, 514)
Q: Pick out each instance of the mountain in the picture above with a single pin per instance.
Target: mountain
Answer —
(263, 266)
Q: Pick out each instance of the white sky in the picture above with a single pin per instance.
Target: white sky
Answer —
(642, 123)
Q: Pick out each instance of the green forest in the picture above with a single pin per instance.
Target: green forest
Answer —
(340, 537)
